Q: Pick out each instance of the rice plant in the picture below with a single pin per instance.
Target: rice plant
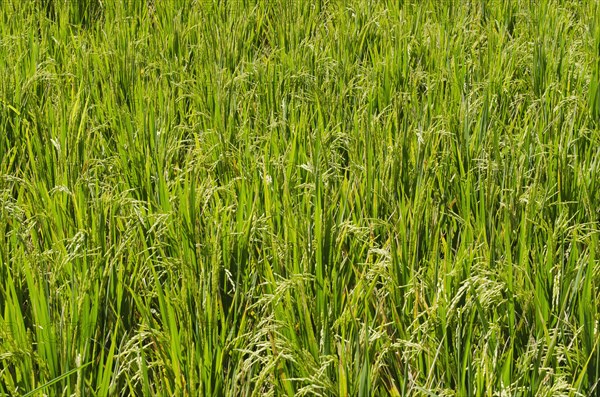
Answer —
(289, 198)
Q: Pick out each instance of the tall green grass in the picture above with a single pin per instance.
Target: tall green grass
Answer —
(336, 198)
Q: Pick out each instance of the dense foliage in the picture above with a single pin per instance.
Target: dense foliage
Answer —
(237, 198)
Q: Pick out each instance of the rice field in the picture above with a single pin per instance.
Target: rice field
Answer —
(299, 198)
